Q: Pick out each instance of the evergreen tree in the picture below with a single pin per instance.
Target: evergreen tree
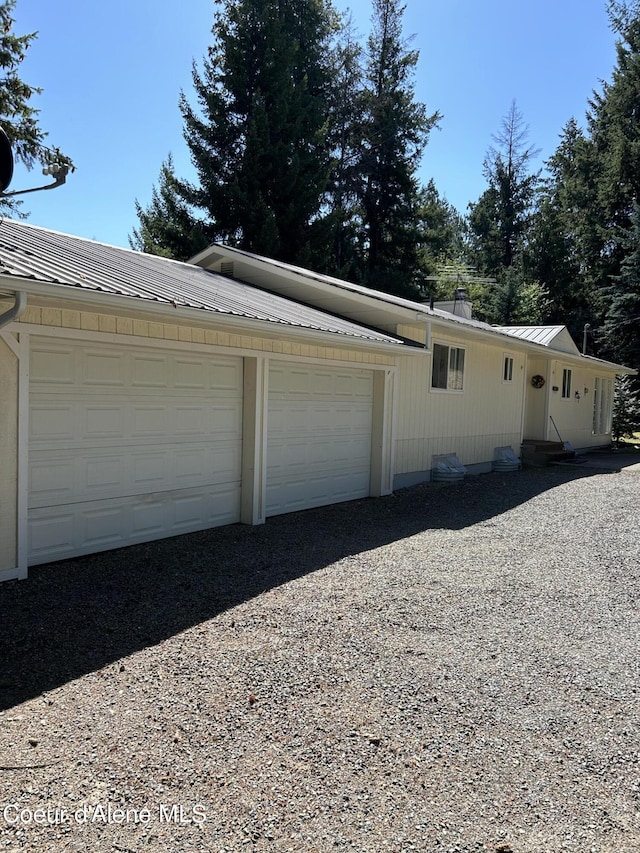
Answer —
(19, 118)
(560, 238)
(167, 226)
(258, 135)
(440, 231)
(626, 409)
(498, 221)
(606, 182)
(394, 132)
(515, 300)
(345, 258)
(615, 129)
(622, 321)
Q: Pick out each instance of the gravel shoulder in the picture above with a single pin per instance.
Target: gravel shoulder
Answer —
(452, 668)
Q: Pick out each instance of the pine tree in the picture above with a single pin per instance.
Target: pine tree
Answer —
(18, 117)
(622, 321)
(499, 220)
(626, 409)
(516, 300)
(345, 258)
(440, 230)
(167, 226)
(258, 135)
(560, 238)
(607, 182)
(394, 132)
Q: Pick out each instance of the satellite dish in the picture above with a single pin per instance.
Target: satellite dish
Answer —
(6, 161)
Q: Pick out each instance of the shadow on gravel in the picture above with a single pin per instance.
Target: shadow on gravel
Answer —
(76, 616)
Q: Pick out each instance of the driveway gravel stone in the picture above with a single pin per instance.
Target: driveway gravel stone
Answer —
(454, 668)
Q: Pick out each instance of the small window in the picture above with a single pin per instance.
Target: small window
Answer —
(507, 370)
(448, 368)
(566, 383)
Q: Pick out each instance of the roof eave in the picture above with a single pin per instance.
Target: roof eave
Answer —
(201, 316)
(376, 300)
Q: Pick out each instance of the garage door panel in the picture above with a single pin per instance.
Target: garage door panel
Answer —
(52, 364)
(150, 371)
(50, 535)
(147, 421)
(352, 419)
(94, 424)
(149, 471)
(101, 421)
(51, 480)
(191, 421)
(87, 527)
(311, 491)
(103, 368)
(99, 473)
(141, 445)
(66, 477)
(319, 436)
(50, 421)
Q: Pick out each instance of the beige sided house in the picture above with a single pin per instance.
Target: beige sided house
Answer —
(143, 398)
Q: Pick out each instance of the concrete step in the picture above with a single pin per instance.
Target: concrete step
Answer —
(541, 453)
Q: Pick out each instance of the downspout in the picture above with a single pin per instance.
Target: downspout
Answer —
(17, 311)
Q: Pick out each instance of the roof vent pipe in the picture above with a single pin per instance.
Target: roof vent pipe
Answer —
(17, 310)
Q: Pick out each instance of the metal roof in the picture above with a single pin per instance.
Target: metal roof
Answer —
(538, 334)
(554, 337)
(345, 297)
(30, 252)
(364, 305)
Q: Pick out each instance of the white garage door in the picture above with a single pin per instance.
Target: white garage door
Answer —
(129, 445)
(319, 436)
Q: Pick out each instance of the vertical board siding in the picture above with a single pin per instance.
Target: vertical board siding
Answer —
(485, 415)
(574, 417)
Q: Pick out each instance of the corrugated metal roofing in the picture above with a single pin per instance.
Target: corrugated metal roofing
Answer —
(556, 338)
(48, 256)
(386, 299)
(537, 334)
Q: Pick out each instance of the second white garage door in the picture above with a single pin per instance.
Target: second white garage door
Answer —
(319, 436)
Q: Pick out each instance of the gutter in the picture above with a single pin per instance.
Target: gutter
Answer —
(17, 311)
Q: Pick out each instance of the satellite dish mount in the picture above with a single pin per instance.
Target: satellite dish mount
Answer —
(58, 171)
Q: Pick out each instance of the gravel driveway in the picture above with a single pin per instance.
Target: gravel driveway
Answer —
(452, 668)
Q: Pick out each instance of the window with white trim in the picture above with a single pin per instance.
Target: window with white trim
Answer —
(507, 369)
(602, 406)
(447, 371)
(566, 383)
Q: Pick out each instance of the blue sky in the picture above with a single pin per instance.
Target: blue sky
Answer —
(111, 74)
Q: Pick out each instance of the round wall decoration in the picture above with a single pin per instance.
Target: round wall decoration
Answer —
(537, 381)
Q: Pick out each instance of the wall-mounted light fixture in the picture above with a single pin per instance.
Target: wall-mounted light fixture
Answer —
(586, 390)
(577, 396)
